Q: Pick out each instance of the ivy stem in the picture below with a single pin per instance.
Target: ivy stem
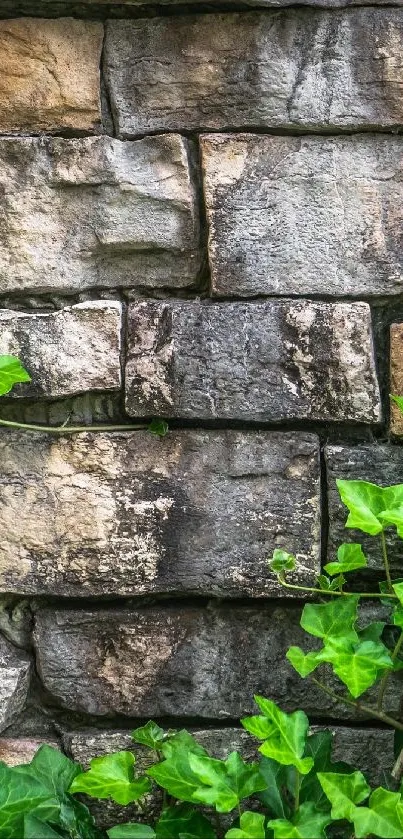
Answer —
(386, 676)
(71, 429)
(297, 789)
(379, 715)
(371, 594)
(386, 560)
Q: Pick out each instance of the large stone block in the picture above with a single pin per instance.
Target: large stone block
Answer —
(15, 751)
(294, 68)
(49, 75)
(127, 514)
(272, 361)
(122, 7)
(94, 212)
(180, 661)
(66, 352)
(304, 215)
(396, 376)
(15, 673)
(378, 464)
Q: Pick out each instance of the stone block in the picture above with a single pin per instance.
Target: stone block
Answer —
(15, 674)
(15, 751)
(273, 361)
(95, 212)
(49, 75)
(304, 215)
(378, 464)
(198, 512)
(396, 376)
(295, 68)
(122, 7)
(181, 661)
(66, 352)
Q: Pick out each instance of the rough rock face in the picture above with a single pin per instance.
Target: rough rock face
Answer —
(270, 361)
(93, 212)
(293, 68)
(58, 7)
(59, 60)
(396, 375)
(178, 661)
(15, 671)
(70, 351)
(196, 512)
(15, 751)
(379, 465)
(303, 215)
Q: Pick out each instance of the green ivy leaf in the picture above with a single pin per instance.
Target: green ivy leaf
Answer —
(398, 400)
(282, 561)
(330, 620)
(357, 665)
(326, 584)
(158, 427)
(371, 507)
(11, 372)
(319, 747)
(174, 773)
(20, 795)
(223, 784)
(383, 816)
(284, 734)
(35, 828)
(350, 556)
(308, 823)
(303, 663)
(150, 735)
(372, 632)
(55, 771)
(182, 820)
(131, 830)
(344, 792)
(251, 826)
(276, 777)
(112, 777)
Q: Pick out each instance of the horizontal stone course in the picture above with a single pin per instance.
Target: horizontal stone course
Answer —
(303, 215)
(297, 68)
(180, 661)
(96, 212)
(57, 7)
(70, 351)
(59, 61)
(272, 361)
(15, 674)
(128, 514)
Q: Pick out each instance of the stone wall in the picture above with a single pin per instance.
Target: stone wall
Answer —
(200, 219)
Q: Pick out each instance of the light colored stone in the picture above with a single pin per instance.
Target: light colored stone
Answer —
(294, 68)
(304, 215)
(49, 75)
(128, 514)
(66, 352)
(95, 212)
(396, 376)
(182, 661)
(65, 7)
(15, 751)
(272, 361)
(15, 672)
(378, 464)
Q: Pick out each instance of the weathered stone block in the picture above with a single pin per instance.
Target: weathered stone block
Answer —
(86, 7)
(15, 751)
(66, 352)
(95, 212)
(49, 75)
(292, 68)
(180, 661)
(270, 361)
(303, 215)
(196, 512)
(396, 376)
(15, 672)
(378, 464)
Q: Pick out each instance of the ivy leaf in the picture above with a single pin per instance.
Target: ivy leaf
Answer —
(394, 517)
(224, 783)
(131, 830)
(11, 372)
(285, 733)
(303, 663)
(251, 826)
(35, 828)
(350, 556)
(282, 561)
(383, 816)
(319, 747)
(308, 823)
(158, 427)
(356, 665)
(326, 584)
(55, 771)
(330, 620)
(180, 820)
(276, 779)
(371, 507)
(112, 777)
(150, 735)
(398, 400)
(344, 792)
(372, 632)
(174, 773)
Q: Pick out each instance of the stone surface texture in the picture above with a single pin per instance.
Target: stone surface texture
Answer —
(396, 375)
(378, 464)
(15, 673)
(179, 661)
(95, 212)
(272, 361)
(15, 751)
(303, 215)
(196, 512)
(86, 7)
(70, 351)
(59, 60)
(294, 68)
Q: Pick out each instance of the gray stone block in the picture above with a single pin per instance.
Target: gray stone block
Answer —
(70, 351)
(128, 514)
(303, 215)
(95, 212)
(15, 674)
(290, 69)
(273, 361)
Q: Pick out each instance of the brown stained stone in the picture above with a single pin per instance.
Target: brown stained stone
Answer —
(49, 75)
(396, 376)
(15, 751)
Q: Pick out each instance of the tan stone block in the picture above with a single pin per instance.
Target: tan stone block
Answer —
(49, 74)
(17, 751)
(396, 376)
